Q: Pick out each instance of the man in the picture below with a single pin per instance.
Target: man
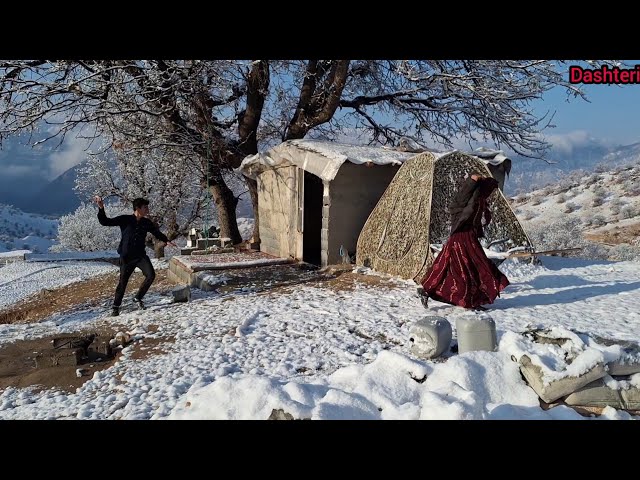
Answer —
(132, 251)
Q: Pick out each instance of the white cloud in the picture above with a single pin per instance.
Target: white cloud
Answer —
(71, 153)
(565, 143)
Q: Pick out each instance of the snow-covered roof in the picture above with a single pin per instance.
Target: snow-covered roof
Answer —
(322, 158)
(494, 157)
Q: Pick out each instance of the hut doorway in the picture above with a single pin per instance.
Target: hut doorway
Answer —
(312, 219)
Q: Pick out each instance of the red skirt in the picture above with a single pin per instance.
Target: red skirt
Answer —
(462, 274)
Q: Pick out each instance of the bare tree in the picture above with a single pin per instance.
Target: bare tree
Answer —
(218, 112)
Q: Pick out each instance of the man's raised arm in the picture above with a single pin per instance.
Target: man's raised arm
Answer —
(102, 216)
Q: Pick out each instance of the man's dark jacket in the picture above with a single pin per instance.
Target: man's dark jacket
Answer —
(134, 233)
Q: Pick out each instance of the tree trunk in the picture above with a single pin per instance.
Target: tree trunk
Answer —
(226, 203)
(253, 191)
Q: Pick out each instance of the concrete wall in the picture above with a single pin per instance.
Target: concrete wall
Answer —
(278, 210)
(352, 195)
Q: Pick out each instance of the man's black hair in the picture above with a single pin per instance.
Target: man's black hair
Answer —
(139, 202)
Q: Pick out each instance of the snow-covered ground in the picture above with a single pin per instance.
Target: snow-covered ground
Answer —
(245, 225)
(319, 353)
(19, 280)
(60, 256)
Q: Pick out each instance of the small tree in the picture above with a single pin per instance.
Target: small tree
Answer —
(168, 181)
(81, 231)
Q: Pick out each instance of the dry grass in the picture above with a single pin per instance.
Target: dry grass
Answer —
(616, 235)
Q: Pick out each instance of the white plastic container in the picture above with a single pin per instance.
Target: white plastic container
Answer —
(430, 336)
(476, 332)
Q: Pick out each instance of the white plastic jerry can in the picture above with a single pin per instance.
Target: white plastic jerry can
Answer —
(430, 336)
(476, 332)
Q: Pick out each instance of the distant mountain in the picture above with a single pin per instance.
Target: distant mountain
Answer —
(57, 197)
(23, 171)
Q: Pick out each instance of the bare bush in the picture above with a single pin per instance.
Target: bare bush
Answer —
(564, 233)
(592, 179)
(628, 212)
(537, 199)
(598, 221)
(624, 252)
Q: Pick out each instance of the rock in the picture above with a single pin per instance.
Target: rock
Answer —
(181, 294)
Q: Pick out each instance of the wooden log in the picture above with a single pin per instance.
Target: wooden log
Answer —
(546, 252)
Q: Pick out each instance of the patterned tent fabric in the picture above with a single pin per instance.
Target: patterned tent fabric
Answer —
(414, 213)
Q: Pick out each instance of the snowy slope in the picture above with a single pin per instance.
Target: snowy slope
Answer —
(25, 231)
(603, 208)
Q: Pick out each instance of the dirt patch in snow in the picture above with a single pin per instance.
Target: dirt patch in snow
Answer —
(18, 367)
(88, 293)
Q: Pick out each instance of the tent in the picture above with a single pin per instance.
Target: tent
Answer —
(413, 213)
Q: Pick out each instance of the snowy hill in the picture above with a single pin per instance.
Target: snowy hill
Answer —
(529, 174)
(601, 209)
(25, 231)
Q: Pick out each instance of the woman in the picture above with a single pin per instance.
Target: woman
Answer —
(462, 274)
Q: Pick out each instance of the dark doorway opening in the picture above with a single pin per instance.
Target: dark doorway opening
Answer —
(312, 226)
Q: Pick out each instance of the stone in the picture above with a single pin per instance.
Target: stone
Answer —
(181, 294)
(557, 388)
(598, 394)
(59, 357)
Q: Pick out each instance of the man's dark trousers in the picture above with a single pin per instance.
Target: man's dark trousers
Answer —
(127, 266)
